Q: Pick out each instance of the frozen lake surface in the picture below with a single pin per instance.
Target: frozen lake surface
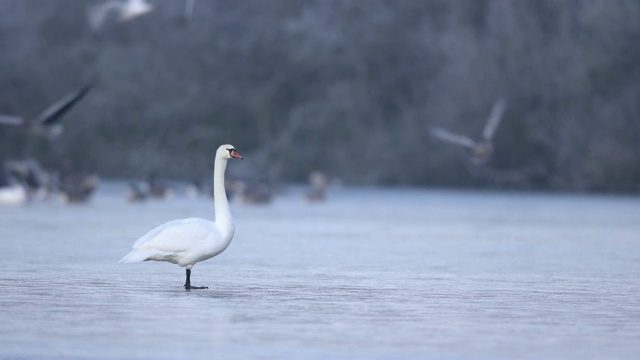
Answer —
(371, 274)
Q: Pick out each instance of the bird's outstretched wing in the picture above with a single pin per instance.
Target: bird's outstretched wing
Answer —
(446, 135)
(97, 14)
(55, 111)
(494, 118)
(188, 9)
(11, 120)
(132, 9)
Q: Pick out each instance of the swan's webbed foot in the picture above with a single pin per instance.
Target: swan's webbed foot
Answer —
(187, 284)
(189, 287)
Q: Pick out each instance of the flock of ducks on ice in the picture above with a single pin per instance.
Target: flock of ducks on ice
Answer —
(23, 181)
(245, 191)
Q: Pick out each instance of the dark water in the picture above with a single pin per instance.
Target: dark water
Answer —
(370, 274)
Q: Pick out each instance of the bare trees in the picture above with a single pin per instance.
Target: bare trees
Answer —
(329, 78)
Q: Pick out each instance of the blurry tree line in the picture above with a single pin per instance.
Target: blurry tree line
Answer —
(349, 87)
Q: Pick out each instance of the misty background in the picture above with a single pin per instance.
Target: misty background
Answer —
(346, 87)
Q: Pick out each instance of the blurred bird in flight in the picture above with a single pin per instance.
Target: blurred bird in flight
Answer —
(481, 150)
(48, 122)
(126, 10)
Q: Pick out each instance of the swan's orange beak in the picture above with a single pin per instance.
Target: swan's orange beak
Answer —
(236, 155)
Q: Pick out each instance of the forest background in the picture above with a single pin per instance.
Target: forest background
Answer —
(348, 87)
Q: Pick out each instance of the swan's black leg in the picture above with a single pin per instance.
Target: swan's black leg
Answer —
(187, 284)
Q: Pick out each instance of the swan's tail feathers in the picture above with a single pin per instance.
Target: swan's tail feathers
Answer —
(135, 256)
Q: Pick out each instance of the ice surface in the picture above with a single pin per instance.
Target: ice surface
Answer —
(372, 273)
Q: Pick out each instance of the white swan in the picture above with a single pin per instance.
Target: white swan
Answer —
(187, 241)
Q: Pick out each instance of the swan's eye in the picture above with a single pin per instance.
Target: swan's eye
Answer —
(234, 154)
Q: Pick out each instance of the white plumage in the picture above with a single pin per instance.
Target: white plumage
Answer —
(186, 242)
(183, 242)
(14, 194)
(126, 10)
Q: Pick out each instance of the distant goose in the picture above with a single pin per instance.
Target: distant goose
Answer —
(157, 189)
(481, 151)
(186, 242)
(259, 193)
(28, 172)
(319, 183)
(126, 10)
(315, 195)
(137, 192)
(48, 122)
(12, 192)
(31, 176)
(75, 187)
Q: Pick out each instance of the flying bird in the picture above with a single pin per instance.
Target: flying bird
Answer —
(126, 10)
(186, 242)
(48, 121)
(481, 150)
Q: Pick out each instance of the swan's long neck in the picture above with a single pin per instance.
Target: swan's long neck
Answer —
(223, 212)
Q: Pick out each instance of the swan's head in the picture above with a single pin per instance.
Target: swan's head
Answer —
(227, 152)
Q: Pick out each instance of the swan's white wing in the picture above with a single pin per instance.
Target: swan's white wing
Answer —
(446, 135)
(494, 118)
(11, 120)
(176, 236)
